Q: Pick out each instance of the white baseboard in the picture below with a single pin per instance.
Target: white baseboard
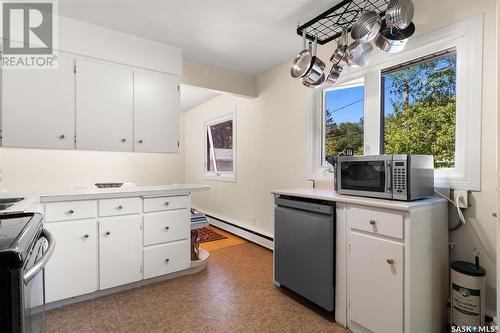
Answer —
(242, 233)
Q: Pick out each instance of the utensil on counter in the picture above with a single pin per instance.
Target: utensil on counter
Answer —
(315, 75)
(302, 61)
(366, 27)
(393, 40)
(358, 54)
(399, 14)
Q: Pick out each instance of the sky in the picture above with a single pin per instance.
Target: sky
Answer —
(339, 102)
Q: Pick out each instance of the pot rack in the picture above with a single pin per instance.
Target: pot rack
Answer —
(328, 25)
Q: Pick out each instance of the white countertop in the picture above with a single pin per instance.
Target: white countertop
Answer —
(329, 195)
(98, 193)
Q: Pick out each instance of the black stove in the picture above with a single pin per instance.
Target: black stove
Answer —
(25, 248)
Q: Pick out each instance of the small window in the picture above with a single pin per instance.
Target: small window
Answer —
(419, 108)
(220, 149)
(343, 120)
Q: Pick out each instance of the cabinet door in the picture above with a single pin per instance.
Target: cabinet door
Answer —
(38, 107)
(376, 283)
(104, 106)
(156, 112)
(120, 250)
(72, 270)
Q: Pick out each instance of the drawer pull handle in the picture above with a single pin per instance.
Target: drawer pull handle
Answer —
(372, 222)
(167, 203)
(107, 233)
(167, 227)
(71, 211)
(124, 140)
(167, 260)
(119, 207)
(390, 261)
(140, 141)
(62, 136)
(86, 236)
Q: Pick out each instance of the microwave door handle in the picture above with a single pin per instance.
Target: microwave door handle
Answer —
(388, 176)
(38, 266)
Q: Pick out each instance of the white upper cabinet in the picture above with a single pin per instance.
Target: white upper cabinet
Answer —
(38, 107)
(156, 112)
(104, 106)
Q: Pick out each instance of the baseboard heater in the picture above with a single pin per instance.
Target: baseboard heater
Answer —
(248, 234)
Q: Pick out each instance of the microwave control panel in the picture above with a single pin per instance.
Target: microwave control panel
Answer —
(399, 177)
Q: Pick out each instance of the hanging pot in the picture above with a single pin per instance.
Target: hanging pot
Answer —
(399, 14)
(393, 40)
(316, 71)
(366, 27)
(338, 56)
(358, 54)
(334, 75)
(302, 61)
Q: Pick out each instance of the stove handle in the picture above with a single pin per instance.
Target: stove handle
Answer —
(38, 266)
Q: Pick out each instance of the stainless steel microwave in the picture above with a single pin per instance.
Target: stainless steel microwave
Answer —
(397, 177)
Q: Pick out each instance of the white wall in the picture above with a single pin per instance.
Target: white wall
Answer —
(273, 134)
(39, 169)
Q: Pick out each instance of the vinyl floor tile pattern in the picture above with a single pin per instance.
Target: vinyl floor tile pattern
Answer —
(234, 293)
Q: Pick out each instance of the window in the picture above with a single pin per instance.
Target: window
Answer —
(419, 108)
(343, 118)
(220, 149)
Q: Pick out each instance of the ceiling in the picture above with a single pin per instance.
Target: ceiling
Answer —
(194, 96)
(248, 36)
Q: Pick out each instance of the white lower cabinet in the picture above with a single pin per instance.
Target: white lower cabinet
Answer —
(166, 258)
(72, 270)
(376, 277)
(120, 240)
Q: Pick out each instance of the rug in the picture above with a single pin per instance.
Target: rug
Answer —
(208, 235)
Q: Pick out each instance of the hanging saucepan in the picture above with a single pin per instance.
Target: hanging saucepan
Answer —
(334, 75)
(366, 27)
(358, 54)
(399, 14)
(393, 40)
(316, 71)
(302, 61)
(338, 56)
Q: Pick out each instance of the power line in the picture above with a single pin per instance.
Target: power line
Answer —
(347, 105)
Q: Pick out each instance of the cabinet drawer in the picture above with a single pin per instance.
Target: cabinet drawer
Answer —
(166, 258)
(165, 203)
(119, 206)
(70, 210)
(166, 226)
(377, 221)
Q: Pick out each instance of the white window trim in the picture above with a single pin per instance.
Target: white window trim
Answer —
(223, 176)
(467, 37)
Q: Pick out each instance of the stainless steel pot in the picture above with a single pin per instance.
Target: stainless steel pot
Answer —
(338, 56)
(334, 75)
(319, 82)
(316, 70)
(393, 40)
(399, 14)
(366, 27)
(302, 61)
(358, 54)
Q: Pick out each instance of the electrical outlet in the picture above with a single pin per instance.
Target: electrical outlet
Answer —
(463, 198)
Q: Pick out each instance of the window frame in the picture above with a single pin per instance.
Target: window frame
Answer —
(467, 37)
(223, 176)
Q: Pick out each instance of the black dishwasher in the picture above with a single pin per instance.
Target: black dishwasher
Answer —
(304, 248)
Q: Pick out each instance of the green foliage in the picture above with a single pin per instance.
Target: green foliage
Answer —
(424, 104)
(346, 135)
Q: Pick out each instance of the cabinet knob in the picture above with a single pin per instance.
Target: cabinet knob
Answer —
(71, 211)
(107, 233)
(372, 222)
(119, 207)
(167, 260)
(62, 136)
(86, 236)
(140, 141)
(167, 228)
(124, 140)
(390, 261)
(167, 203)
